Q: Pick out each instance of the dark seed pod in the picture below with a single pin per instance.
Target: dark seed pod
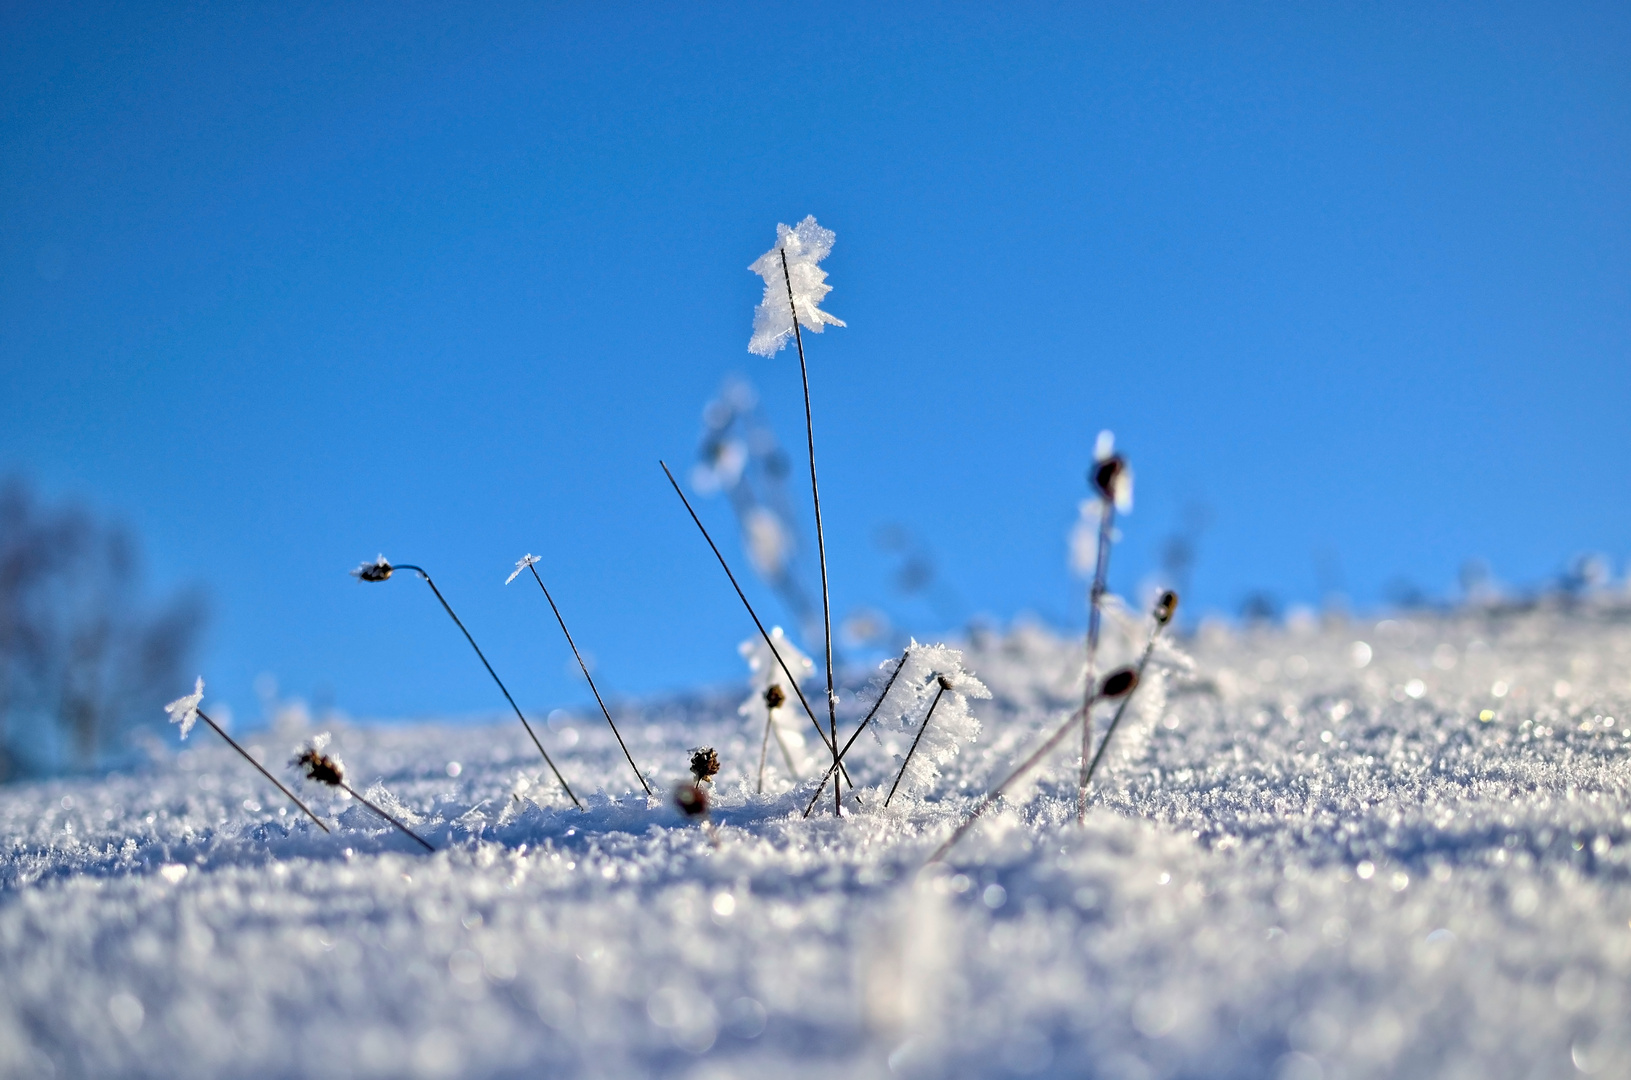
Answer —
(1119, 683)
(704, 764)
(320, 767)
(692, 799)
(378, 570)
(945, 682)
(775, 697)
(1105, 473)
(1165, 606)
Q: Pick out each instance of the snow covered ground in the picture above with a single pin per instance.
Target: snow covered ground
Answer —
(1339, 849)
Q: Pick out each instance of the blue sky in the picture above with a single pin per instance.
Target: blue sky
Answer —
(287, 287)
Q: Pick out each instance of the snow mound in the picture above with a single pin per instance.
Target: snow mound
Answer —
(1340, 849)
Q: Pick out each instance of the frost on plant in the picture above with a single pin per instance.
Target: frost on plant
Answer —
(901, 715)
(768, 674)
(184, 710)
(521, 564)
(806, 244)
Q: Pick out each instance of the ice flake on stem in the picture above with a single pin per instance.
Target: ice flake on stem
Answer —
(770, 695)
(929, 707)
(804, 246)
(327, 769)
(184, 710)
(521, 564)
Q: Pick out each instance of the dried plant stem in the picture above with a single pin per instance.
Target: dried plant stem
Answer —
(1121, 709)
(940, 693)
(723, 565)
(1025, 766)
(349, 790)
(893, 675)
(535, 741)
(261, 769)
(821, 543)
(595, 690)
(1101, 573)
(764, 748)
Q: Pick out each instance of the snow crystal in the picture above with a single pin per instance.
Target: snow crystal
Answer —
(184, 710)
(805, 246)
(521, 564)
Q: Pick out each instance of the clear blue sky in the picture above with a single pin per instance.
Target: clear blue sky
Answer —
(285, 288)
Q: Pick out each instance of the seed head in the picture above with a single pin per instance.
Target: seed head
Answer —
(692, 799)
(1165, 606)
(704, 764)
(775, 697)
(1106, 473)
(945, 682)
(320, 767)
(378, 570)
(1119, 683)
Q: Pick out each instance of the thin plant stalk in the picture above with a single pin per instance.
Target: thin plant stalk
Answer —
(1163, 615)
(504, 690)
(1121, 709)
(585, 669)
(349, 790)
(859, 728)
(723, 565)
(764, 749)
(1025, 766)
(926, 718)
(1101, 573)
(261, 768)
(821, 544)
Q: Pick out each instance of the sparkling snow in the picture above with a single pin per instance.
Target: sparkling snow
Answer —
(1336, 849)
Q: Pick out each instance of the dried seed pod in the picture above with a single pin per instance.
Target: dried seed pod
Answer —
(1105, 475)
(704, 764)
(1166, 605)
(775, 696)
(945, 682)
(1119, 683)
(378, 570)
(320, 767)
(692, 799)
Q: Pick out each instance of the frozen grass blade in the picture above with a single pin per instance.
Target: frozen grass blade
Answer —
(723, 565)
(821, 543)
(328, 770)
(381, 570)
(859, 728)
(945, 684)
(532, 564)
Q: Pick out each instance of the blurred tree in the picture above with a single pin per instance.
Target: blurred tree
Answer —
(85, 660)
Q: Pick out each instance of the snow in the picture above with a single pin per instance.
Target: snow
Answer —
(804, 245)
(1316, 860)
(184, 710)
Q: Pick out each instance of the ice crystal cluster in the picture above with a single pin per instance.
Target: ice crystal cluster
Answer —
(1346, 849)
(804, 246)
(913, 683)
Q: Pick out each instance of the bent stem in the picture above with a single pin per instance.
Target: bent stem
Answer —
(1025, 766)
(723, 565)
(821, 544)
(504, 690)
(926, 718)
(261, 769)
(1101, 572)
(1115, 721)
(860, 728)
(349, 790)
(585, 669)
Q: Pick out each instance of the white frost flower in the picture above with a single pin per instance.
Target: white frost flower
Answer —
(806, 245)
(901, 715)
(184, 710)
(521, 564)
